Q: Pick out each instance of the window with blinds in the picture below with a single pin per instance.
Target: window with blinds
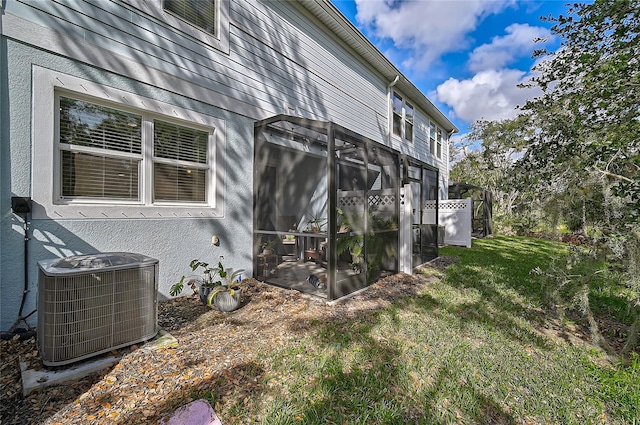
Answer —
(180, 162)
(104, 153)
(201, 13)
(100, 151)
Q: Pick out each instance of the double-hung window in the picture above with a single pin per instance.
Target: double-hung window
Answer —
(180, 163)
(436, 137)
(408, 122)
(206, 21)
(105, 156)
(201, 13)
(432, 137)
(402, 118)
(101, 152)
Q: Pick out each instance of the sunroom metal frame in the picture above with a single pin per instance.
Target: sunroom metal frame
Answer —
(304, 134)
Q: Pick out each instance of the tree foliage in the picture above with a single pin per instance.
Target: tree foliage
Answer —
(573, 153)
(490, 165)
(587, 122)
(578, 143)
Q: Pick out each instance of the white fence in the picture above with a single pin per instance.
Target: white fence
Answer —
(455, 215)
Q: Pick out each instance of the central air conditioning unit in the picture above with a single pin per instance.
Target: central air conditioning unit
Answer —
(92, 304)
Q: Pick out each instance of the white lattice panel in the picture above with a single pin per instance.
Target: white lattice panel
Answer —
(457, 205)
(350, 201)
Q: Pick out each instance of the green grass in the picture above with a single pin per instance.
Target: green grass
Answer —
(473, 347)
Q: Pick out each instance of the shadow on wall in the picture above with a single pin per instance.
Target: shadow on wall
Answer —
(173, 242)
(54, 242)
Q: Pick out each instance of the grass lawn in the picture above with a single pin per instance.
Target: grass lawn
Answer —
(478, 345)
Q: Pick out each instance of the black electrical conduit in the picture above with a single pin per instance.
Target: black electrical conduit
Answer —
(22, 207)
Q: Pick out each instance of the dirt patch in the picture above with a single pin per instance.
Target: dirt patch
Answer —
(218, 355)
(440, 263)
(215, 350)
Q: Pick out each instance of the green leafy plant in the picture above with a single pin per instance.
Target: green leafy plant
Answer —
(268, 245)
(217, 277)
(316, 224)
(377, 243)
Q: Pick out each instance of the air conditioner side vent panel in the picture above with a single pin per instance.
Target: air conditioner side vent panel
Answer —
(89, 310)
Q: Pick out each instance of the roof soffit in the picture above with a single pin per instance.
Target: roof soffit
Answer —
(336, 22)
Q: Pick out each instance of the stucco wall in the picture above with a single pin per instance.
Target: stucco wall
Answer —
(174, 242)
(279, 59)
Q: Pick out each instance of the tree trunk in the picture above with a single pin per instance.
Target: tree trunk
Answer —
(632, 339)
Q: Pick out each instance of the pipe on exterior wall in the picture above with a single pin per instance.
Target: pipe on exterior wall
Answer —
(390, 108)
(21, 206)
(448, 141)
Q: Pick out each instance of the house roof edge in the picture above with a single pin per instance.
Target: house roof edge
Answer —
(330, 16)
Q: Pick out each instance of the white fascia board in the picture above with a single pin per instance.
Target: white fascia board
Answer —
(330, 16)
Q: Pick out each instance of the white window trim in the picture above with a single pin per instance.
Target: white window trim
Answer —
(219, 41)
(46, 85)
(432, 145)
(403, 127)
(442, 142)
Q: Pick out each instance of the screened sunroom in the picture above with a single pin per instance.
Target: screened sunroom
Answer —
(335, 211)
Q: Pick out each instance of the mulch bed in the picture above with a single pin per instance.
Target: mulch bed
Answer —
(216, 356)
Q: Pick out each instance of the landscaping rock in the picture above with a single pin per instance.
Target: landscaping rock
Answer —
(197, 412)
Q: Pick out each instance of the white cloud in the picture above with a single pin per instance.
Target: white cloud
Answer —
(423, 31)
(489, 95)
(427, 28)
(503, 51)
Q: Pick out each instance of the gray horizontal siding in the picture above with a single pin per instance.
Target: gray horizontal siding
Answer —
(304, 89)
(270, 69)
(183, 57)
(301, 40)
(345, 94)
(278, 57)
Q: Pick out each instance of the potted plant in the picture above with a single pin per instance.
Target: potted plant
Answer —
(377, 241)
(217, 285)
(316, 223)
(268, 246)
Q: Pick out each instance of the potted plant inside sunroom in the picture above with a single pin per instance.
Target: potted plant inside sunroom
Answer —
(216, 285)
(268, 246)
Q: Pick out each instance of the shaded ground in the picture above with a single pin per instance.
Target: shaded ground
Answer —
(216, 350)
(216, 359)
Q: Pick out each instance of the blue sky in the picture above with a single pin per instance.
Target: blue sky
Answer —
(466, 56)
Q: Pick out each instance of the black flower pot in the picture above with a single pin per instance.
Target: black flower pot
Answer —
(204, 292)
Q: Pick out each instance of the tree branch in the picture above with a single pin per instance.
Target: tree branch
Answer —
(615, 176)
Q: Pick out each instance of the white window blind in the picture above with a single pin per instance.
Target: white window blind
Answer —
(180, 162)
(201, 13)
(93, 152)
(87, 124)
(102, 156)
(100, 151)
(173, 141)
